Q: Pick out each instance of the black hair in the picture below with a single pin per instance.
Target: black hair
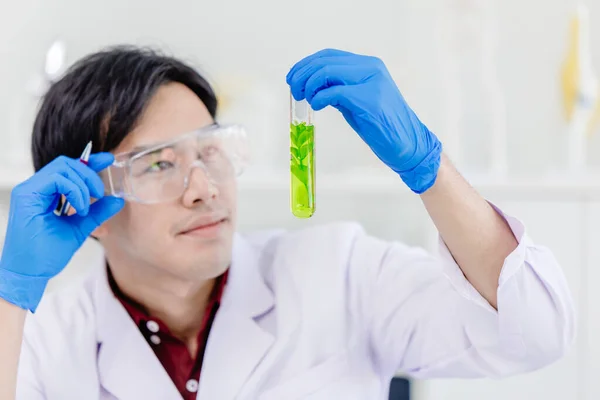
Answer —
(101, 98)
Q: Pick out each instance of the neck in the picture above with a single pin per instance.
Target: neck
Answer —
(177, 303)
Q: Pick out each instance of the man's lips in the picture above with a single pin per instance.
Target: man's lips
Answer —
(204, 227)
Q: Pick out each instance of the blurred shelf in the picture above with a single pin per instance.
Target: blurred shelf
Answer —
(346, 182)
(545, 188)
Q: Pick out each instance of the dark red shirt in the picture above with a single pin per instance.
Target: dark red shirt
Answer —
(173, 354)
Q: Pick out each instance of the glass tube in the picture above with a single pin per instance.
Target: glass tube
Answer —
(302, 159)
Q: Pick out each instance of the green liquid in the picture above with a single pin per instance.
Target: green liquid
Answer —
(302, 169)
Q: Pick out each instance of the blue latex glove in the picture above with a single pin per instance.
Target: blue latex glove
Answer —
(361, 88)
(38, 243)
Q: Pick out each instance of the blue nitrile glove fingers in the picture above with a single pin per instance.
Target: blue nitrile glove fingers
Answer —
(361, 88)
(38, 243)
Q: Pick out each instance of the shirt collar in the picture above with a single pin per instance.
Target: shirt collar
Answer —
(139, 314)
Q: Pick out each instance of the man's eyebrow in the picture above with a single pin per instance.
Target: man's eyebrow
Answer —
(140, 148)
(144, 147)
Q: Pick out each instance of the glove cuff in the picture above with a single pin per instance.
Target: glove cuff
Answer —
(420, 178)
(22, 290)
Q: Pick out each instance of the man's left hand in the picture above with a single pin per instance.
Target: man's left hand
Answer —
(361, 88)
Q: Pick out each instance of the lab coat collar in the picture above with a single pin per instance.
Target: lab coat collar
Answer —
(246, 290)
(237, 343)
(128, 367)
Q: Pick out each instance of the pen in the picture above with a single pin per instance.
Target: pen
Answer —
(85, 156)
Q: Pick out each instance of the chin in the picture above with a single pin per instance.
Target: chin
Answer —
(207, 263)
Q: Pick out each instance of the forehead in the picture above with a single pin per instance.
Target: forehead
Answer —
(173, 110)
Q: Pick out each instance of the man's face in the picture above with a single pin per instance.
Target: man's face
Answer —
(179, 237)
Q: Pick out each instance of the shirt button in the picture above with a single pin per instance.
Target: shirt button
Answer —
(192, 386)
(155, 339)
(152, 326)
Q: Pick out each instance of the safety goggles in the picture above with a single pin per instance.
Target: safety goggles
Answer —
(161, 172)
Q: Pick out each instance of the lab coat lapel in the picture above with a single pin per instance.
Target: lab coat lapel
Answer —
(127, 366)
(237, 343)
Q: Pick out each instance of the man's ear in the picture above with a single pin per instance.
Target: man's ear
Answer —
(97, 233)
(100, 231)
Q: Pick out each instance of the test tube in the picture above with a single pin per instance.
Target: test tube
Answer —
(302, 159)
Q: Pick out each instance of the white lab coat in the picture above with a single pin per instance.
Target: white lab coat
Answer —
(322, 313)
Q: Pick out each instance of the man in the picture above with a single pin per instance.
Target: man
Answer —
(183, 307)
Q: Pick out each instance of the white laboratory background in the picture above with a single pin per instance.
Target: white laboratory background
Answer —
(484, 75)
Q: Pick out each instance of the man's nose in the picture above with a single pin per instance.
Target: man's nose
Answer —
(200, 186)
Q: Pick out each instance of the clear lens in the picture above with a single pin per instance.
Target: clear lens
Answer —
(161, 173)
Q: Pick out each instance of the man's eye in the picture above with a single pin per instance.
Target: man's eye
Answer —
(159, 166)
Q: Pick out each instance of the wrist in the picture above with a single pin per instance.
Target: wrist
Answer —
(24, 291)
(7, 308)
(422, 177)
